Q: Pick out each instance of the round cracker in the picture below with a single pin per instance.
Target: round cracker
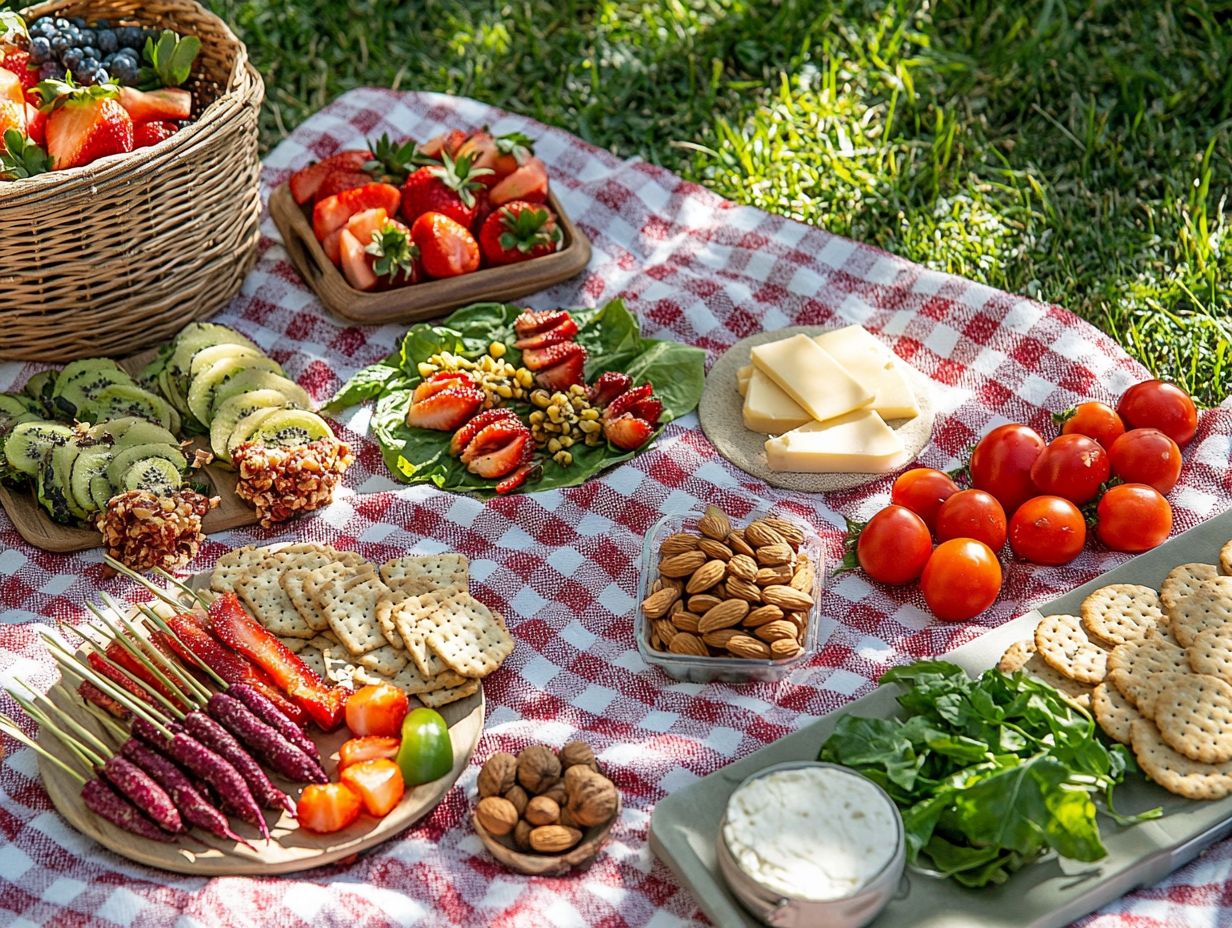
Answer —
(1211, 652)
(1154, 684)
(1016, 656)
(1175, 772)
(1181, 581)
(1130, 665)
(1065, 647)
(1194, 716)
(1114, 713)
(1121, 612)
(1079, 693)
(1208, 606)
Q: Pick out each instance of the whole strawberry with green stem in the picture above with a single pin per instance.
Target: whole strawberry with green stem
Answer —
(83, 123)
(519, 231)
(448, 188)
(15, 48)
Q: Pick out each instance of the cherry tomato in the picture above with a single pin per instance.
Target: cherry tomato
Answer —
(1001, 464)
(376, 710)
(1073, 467)
(1095, 420)
(894, 546)
(1133, 517)
(1157, 404)
(972, 514)
(961, 579)
(923, 490)
(1146, 456)
(1048, 530)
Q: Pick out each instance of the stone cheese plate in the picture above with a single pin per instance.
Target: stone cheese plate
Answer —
(720, 415)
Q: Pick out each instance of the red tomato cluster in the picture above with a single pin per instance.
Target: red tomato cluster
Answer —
(1118, 463)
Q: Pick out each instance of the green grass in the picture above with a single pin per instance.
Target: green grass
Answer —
(1075, 152)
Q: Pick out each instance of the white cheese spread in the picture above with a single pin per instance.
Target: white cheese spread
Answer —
(814, 833)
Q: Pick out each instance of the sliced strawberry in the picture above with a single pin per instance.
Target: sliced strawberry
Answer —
(609, 386)
(355, 263)
(395, 257)
(333, 250)
(118, 654)
(569, 372)
(327, 807)
(505, 459)
(447, 410)
(446, 248)
(307, 181)
(370, 747)
(534, 321)
(324, 704)
(625, 402)
(481, 148)
(517, 478)
(447, 142)
(515, 149)
(17, 60)
(13, 108)
(492, 438)
(628, 432)
(538, 358)
(463, 436)
(36, 125)
(562, 332)
(378, 783)
(649, 409)
(118, 678)
(151, 133)
(529, 183)
(84, 123)
(333, 212)
(342, 179)
(151, 105)
(441, 380)
(365, 222)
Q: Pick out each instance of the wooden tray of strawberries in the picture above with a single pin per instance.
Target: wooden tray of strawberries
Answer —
(406, 231)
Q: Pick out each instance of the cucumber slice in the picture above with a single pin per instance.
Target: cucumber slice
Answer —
(30, 442)
(118, 401)
(156, 475)
(247, 427)
(132, 430)
(197, 336)
(89, 465)
(228, 415)
(203, 359)
(290, 428)
(121, 461)
(253, 380)
(201, 390)
(78, 397)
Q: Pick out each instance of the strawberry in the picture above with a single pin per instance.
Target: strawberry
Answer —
(648, 409)
(538, 320)
(505, 459)
(151, 133)
(12, 103)
(448, 188)
(342, 179)
(519, 231)
(151, 105)
(560, 333)
(83, 123)
(628, 433)
(446, 248)
(36, 125)
(447, 410)
(492, 438)
(15, 49)
(354, 261)
(566, 373)
(307, 181)
(366, 222)
(332, 249)
(517, 478)
(529, 182)
(333, 212)
(480, 147)
(514, 150)
(625, 402)
(463, 436)
(441, 380)
(394, 257)
(326, 808)
(446, 143)
(607, 387)
(539, 358)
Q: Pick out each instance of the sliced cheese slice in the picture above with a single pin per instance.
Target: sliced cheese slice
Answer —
(768, 409)
(857, 443)
(811, 377)
(872, 363)
(743, 374)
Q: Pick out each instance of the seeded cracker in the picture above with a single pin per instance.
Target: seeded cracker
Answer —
(411, 619)
(1175, 772)
(350, 608)
(301, 587)
(1181, 581)
(422, 573)
(385, 608)
(1016, 656)
(233, 565)
(1150, 689)
(271, 606)
(1063, 645)
(1194, 718)
(1121, 612)
(1114, 713)
(1208, 606)
(386, 660)
(1131, 665)
(468, 637)
(437, 698)
(1211, 652)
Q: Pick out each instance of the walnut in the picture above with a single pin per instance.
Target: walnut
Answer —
(575, 753)
(592, 797)
(543, 811)
(538, 769)
(518, 797)
(556, 793)
(144, 530)
(521, 835)
(284, 482)
(496, 815)
(497, 775)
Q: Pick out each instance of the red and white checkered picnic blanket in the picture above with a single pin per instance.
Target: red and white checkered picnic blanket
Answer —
(562, 566)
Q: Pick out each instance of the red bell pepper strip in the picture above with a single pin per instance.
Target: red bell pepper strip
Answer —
(91, 693)
(109, 670)
(120, 655)
(324, 704)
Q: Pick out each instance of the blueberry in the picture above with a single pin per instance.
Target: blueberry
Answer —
(40, 49)
(43, 27)
(50, 69)
(89, 65)
(129, 36)
(61, 23)
(107, 40)
(103, 24)
(101, 76)
(89, 51)
(89, 37)
(71, 59)
(73, 34)
(124, 70)
(59, 44)
(78, 22)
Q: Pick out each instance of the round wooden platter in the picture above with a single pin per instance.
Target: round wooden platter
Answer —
(290, 848)
(719, 413)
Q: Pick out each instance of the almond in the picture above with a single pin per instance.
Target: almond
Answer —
(743, 589)
(719, 637)
(685, 643)
(803, 578)
(681, 565)
(787, 598)
(761, 615)
(773, 631)
(715, 549)
(686, 621)
(706, 576)
(799, 619)
(678, 544)
(655, 605)
(666, 631)
(784, 647)
(742, 567)
(792, 533)
(714, 523)
(737, 542)
(703, 602)
(554, 839)
(769, 576)
(497, 815)
(775, 554)
(759, 533)
(744, 646)
(724, 615)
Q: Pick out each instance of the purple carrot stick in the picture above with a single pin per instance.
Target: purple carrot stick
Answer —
(261, 706)
(282, 756)
(138, 787)
(103, 800)
(218, 739)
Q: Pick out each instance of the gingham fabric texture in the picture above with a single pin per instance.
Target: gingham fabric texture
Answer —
(563, 566)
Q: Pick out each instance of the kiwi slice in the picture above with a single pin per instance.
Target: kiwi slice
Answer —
(62, 459)
(247, 427)
(201, 390)
(15, 410)
(30, 442)
(228, 415)
(197, 336)
(52, 490)
(122, 401)
(76, 396)
(123, 460)
(156, 475)
(252, 380)
(131, 430)
(290, 428)
(39, 387)
(203, 359)
(89, 465)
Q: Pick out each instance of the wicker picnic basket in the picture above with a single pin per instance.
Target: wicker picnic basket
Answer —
(119, 254)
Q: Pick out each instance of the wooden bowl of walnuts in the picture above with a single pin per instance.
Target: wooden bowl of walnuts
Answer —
(545, 812)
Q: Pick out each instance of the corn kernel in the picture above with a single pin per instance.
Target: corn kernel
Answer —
(589, 414)
(554, 445)
(426, 369)
(564, 458)
(496, 350)
(505, 391)
(566, 442)
(554, 413)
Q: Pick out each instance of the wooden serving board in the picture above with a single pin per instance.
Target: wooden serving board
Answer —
(431, 298)
(290, 848)
(39, 529)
